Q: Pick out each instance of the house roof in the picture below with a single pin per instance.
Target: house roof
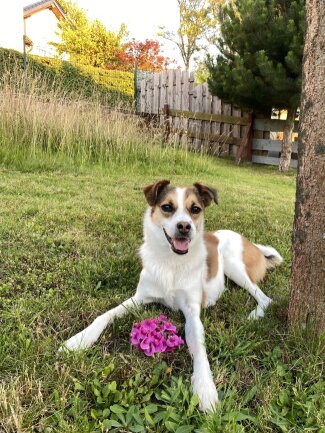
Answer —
(52, 5)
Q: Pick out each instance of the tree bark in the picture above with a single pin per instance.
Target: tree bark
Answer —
(286, 147)
(307, 303)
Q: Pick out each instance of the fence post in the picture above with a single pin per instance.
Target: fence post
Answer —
(166, 122)
(245, 148)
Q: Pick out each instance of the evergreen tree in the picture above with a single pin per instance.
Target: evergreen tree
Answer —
(260, 61)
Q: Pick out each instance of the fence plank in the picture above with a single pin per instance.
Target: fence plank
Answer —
(156, 93)
(235, 130)
(163, 94)
(271, 145)
(271, 160)
(198, 124)
(216, 126)
(272, 125)
(178, 100)
(226, 128)
(233, 120)
(149, 95)
(170, 92)
(143, 96)
(185, 106)
(207, 107)
(192, 96)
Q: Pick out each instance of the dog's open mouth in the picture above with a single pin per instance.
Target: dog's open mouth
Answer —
(179, 245)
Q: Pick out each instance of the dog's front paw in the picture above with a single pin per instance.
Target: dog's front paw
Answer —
(80, 341)
(205, 389)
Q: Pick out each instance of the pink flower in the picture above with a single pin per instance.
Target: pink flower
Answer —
(155, 336)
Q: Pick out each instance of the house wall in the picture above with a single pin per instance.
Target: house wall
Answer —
(41, 28)
(11, 25)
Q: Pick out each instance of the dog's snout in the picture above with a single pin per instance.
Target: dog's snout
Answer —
(183, 227)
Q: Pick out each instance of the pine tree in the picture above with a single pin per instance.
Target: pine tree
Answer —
(260, 61)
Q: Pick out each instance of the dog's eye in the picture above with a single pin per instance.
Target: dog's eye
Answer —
(167, 208)
(195, 209)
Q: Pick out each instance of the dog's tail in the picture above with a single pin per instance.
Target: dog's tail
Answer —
(273, 258)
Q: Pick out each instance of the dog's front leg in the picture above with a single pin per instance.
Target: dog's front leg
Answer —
(202, 380)
(90, 335)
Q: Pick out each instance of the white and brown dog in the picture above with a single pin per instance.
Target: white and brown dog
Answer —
(184, 268)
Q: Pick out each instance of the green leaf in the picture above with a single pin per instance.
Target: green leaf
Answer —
(94, 414)
(148, 417)
(152, 408)
(284, 398)
(78, 386)
(280, 370)
(249, 395)
(171, 426)
(115, 408)
(184, 429)
(108, 423)
(238, 416)
(96, 392)
(106, 413)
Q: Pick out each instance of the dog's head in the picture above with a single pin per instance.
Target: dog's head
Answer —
(178, 213)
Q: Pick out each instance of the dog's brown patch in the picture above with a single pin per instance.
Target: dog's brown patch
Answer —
(192, 198)
(168, 196)
(153, 191)
(206, 193)
(211, 243)
(254, 260)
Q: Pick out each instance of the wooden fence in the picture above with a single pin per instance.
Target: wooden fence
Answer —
(194, 118)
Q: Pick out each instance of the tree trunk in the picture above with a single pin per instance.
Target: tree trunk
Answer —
(307, 303)
(286, 146)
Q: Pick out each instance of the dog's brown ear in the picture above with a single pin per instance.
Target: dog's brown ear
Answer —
(207, 194)
(152, 192)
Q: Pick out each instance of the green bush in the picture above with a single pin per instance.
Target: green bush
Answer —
(111, 87)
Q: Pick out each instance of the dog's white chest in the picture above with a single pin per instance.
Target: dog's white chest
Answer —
(171, 285)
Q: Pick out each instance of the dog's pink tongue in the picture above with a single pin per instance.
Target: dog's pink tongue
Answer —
(181, 244)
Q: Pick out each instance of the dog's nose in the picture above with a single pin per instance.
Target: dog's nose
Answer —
(183, 227)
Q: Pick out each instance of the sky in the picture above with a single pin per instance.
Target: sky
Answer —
(142, 17)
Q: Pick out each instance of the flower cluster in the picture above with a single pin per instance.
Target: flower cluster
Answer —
(155, 336)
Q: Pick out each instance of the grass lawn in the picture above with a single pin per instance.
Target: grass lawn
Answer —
(68, 252)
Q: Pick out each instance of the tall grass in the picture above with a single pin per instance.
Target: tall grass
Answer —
(49, 122)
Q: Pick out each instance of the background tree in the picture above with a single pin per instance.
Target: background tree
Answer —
(147, 54)
(87, 42)
(195, 22)
(307, 303)
(259, 66)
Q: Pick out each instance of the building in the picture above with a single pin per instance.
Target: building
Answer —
(40, 24)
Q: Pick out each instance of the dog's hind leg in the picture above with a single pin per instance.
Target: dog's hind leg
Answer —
(90, 335)
(236, 271)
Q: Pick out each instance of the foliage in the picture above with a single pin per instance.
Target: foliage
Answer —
(87, 42)
(110, 87)
(194, 25)
(261, 47)
(128, 405)
(146, 54)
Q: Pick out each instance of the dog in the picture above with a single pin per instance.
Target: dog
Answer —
(184, 269)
